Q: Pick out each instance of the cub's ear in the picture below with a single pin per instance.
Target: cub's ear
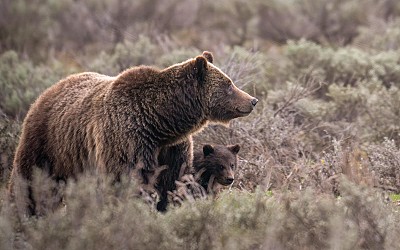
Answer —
(234, 148)
(208, 149)
(201, 67)
(208, 56)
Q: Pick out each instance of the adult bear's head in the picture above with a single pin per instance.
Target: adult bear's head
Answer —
(224, 101)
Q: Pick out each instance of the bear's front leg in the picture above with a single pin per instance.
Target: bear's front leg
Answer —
(147, 163)
(174, 157)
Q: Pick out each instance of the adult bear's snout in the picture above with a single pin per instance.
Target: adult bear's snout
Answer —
(254, 102)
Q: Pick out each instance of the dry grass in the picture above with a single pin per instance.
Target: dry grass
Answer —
(97, 215)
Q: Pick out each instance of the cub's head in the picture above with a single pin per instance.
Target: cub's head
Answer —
(224, 101)
(221, 161)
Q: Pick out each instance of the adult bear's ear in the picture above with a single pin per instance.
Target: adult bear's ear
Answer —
(234, 148)
(201, 68)
(208, 149)
(208, 56)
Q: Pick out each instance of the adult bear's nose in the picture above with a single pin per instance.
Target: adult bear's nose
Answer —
(254, 101)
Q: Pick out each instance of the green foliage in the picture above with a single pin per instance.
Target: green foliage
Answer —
(175, 55)
(23, 26)
(325, 111)
(143, 51)
(21, 82)
(125, 55)
(381, 35)
(9, 135)
(43, 27)
(385, 163)
(357, 89)
(234, 220)
(247, 69)
(97, 215)
(323, 21)
(395, 197)
(345, 65)
(369, 218)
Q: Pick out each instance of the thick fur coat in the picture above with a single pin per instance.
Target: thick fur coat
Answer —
(144, 115)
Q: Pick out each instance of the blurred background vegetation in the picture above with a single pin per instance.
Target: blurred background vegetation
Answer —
(320, 160)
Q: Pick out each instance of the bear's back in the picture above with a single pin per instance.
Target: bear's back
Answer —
(59, 116)
(76, 87)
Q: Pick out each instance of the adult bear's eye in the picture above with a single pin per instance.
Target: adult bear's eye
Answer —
(232, 166)
(220, 167)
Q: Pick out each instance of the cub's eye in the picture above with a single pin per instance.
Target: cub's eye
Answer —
(220, 167)
(232, 166)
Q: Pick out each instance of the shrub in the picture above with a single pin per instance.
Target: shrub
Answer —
(23, 27)
(346, 66)
(323, 21)
(381, 113)
(21, 82)
(9, 136)
(385, 163)
(125, 55)
(95, 214)
(358, 90)
(247, 69)
(175, 56)
(367, 215)
(380, 35)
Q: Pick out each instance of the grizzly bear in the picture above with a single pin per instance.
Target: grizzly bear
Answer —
(216, 165)
(144, 115)
(213, 167)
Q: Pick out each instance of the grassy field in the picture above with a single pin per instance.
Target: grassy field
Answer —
(319, 166)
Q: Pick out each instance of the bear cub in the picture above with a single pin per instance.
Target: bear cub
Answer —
(215, 165)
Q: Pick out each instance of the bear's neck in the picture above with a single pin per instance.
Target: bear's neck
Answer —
(199, 164)
(169, 103)
(186, 108)
(205, 179)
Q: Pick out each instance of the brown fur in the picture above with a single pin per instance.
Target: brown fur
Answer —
(216, 165)
(109, 124)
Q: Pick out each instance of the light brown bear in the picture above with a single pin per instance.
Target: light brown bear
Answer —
(143, 116)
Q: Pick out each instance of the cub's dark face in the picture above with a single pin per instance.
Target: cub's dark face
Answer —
(221, 162)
